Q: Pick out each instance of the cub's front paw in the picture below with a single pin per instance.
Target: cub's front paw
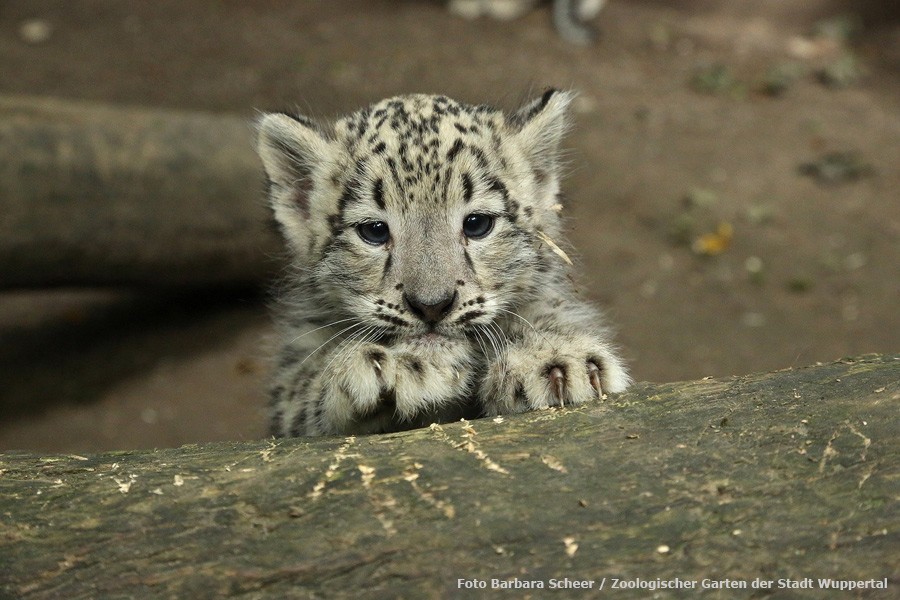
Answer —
(551, 373)
(380, 389)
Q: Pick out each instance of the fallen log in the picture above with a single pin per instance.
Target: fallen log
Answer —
(97, 195)
(792, 476)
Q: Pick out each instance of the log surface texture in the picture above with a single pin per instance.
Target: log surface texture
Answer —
(790, 474)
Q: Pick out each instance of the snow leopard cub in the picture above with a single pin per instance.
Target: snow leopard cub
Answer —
(426, 284)
(569, 16)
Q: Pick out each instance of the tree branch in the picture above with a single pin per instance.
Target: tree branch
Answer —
(95, 195)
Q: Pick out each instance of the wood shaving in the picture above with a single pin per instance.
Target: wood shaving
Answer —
(553, 463)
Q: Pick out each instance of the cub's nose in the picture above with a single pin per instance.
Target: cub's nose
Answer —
(430, 312)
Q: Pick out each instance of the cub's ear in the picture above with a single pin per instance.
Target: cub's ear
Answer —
(292, 149)
(540, 125)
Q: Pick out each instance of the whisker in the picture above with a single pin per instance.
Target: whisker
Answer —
(343, 351)
(480, 342)
(373, 333)
(370, 333)
(533, 328)
(494, 344)
(501, 335)
(480, 339)
(329, 339)
(517, 315)
(322, 327)
(487, 336)
(491, 329)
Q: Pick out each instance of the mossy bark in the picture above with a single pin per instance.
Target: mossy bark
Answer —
(785, 475)
(97, 195)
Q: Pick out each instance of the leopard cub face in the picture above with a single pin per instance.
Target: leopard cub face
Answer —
(426, 285)
(418, 219)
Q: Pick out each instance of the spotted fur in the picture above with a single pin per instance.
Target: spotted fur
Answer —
(399, 311)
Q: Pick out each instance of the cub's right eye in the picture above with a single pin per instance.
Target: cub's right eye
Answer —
(374, 232)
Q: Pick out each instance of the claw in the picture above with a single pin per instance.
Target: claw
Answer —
(558, 383)
(594, 376)
(379, 375)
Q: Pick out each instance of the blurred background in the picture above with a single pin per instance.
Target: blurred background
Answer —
(733, 184)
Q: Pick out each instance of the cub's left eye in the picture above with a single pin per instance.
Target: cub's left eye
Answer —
(477, 225)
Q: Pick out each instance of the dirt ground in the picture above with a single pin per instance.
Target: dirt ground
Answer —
(733, 184)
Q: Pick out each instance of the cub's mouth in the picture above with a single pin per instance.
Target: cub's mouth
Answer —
(430, 339)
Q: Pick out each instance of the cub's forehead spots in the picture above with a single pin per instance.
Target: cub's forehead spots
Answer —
(417, 114)
(423, 147)
(420, 122)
